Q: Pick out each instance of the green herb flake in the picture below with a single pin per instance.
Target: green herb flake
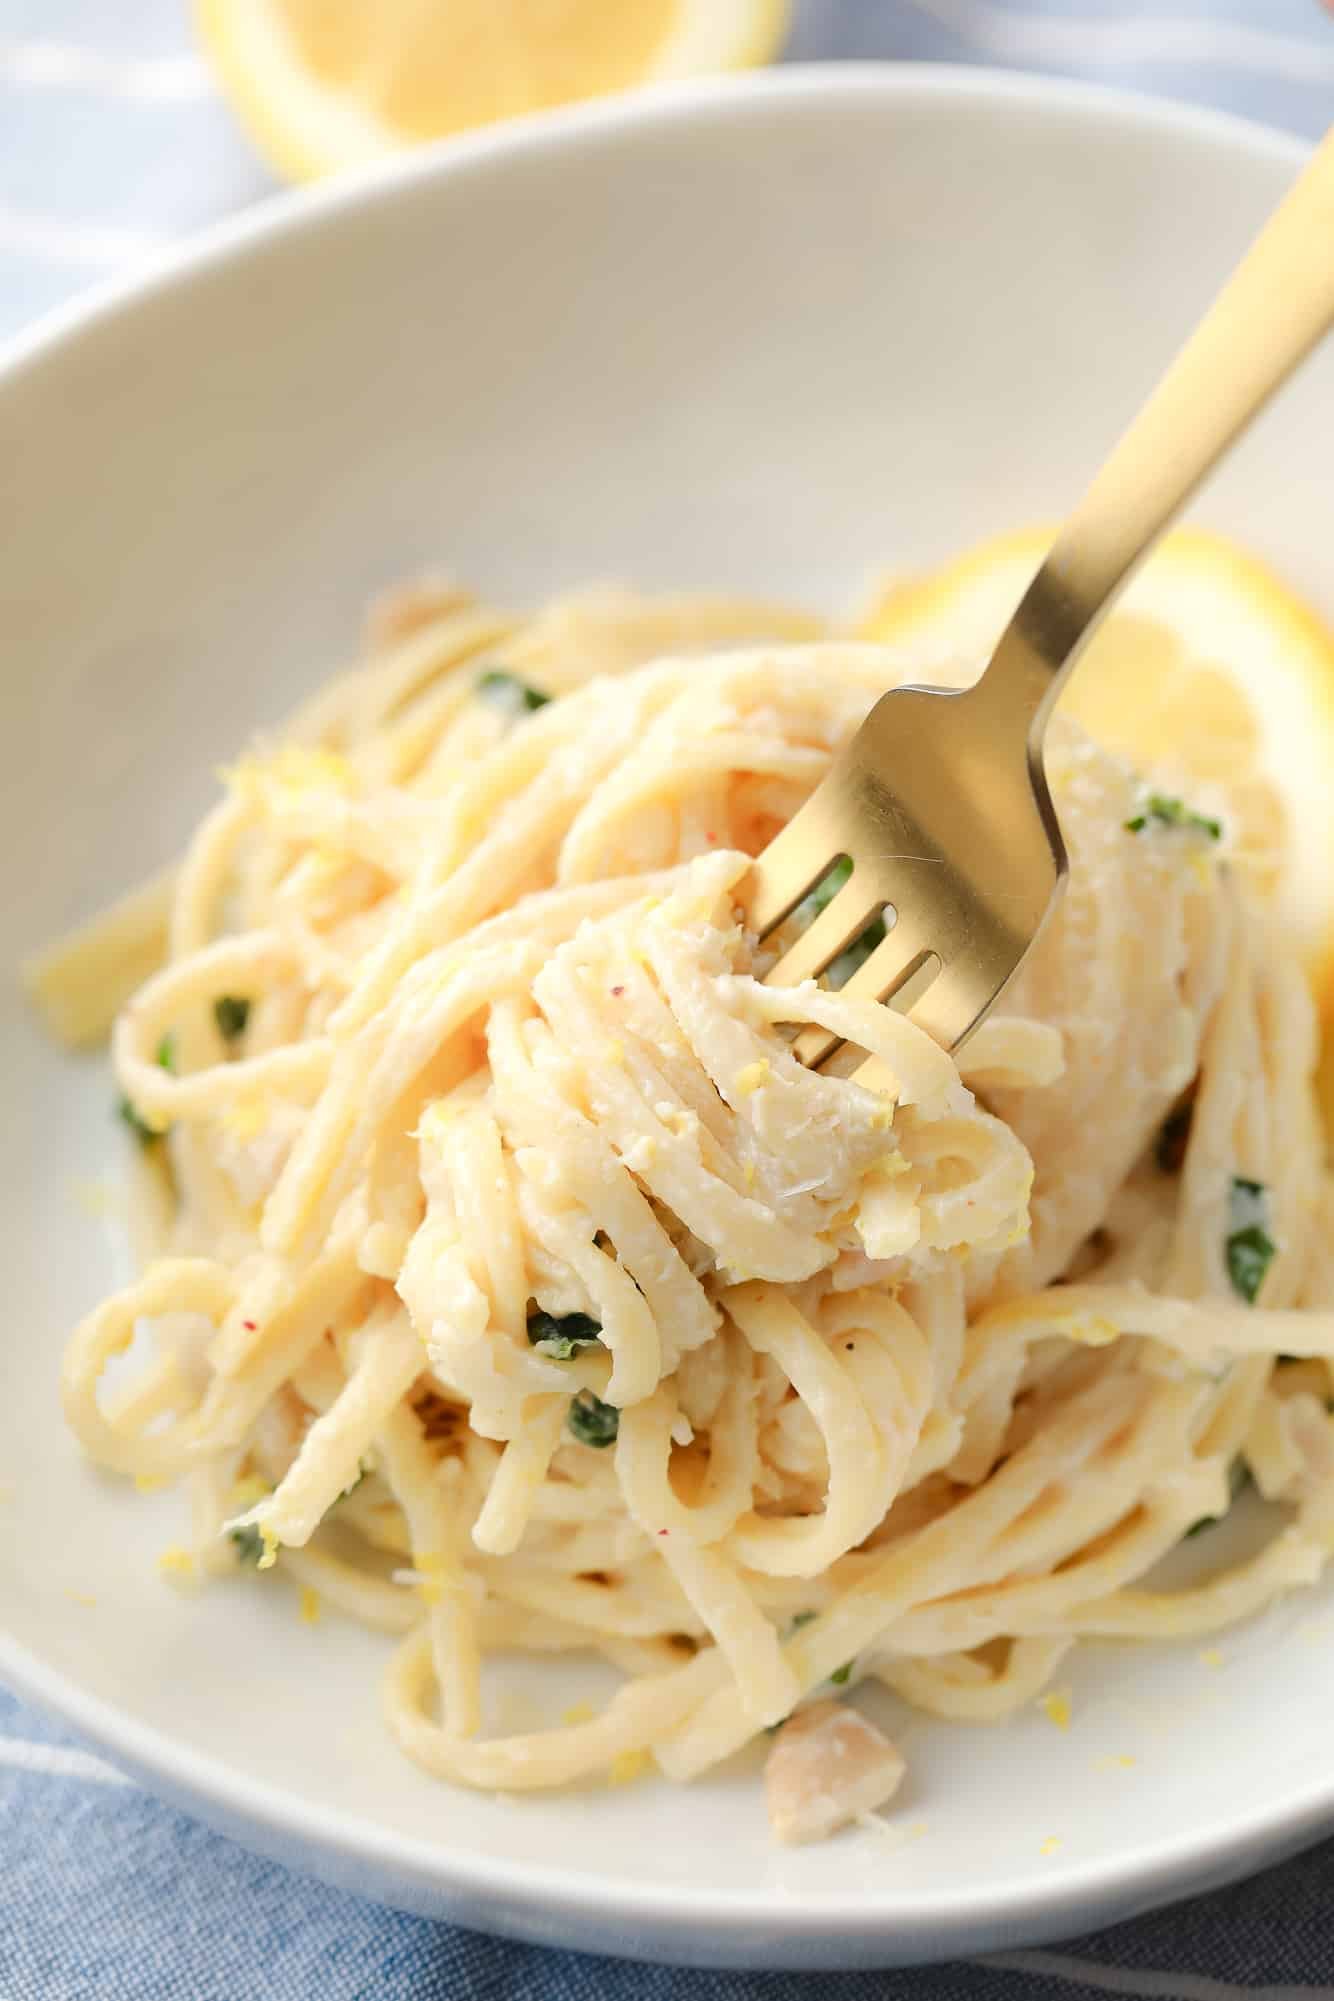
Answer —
(508, 692)
(1158, 810)
(823, 894)
(1250, 1249)
(591, 1421)
(561, 1336)
(841, 1676)
(145, 1134)
(799, 1620)
(854, 956)
(249, 1544)
(231, 1012)
(165, 1057)
(1249, 1256)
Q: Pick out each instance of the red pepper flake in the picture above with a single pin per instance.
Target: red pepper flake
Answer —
(618, 991)
(712, 838)
(662, 1531)
(250, 1325)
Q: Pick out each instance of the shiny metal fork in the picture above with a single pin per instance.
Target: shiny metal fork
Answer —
(940, 802)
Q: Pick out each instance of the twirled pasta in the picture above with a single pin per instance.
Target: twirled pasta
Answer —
(517, 1287)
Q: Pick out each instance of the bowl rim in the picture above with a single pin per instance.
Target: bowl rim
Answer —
(543, 1904)
(306, 208)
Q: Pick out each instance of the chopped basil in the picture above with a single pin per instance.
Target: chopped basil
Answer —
(855, 955)
(560, 1335)
(1161, 811)
(799, 1620)
(1174, 1138)
(165, 1056)
(1250, 1248)
(841, 1675)
(1250, 1253)
(591, 1421)
(508, 692)
(145, 1134)
(249, 1543)
(231, 1012)
(1238, 1478)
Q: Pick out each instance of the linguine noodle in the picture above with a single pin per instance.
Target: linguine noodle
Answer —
(511, 1285)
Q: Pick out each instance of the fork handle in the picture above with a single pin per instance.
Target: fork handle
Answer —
(1270, 314)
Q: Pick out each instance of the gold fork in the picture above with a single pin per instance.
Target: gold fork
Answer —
(940, 803)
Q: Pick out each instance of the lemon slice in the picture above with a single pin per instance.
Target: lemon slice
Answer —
(322, 87)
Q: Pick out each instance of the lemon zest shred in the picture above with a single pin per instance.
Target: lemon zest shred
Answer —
(753, 1077)
(627, 1766)
(1093, 1330)
(435, 1121)
(97, 1199)
(1056, 1704)
(246, 1118)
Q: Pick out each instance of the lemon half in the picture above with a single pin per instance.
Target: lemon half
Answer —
(322, 86)
(1209, 666)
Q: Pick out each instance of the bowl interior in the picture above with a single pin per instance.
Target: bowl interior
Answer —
(773, 339)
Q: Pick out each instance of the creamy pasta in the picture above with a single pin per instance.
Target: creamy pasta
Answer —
(508, 1282)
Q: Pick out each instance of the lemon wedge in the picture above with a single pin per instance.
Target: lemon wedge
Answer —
(1209, 666)
(323, 87)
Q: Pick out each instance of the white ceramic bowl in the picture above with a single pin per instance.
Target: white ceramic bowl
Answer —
(768, 337)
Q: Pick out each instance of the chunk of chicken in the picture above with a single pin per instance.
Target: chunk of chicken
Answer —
(827, 1765)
